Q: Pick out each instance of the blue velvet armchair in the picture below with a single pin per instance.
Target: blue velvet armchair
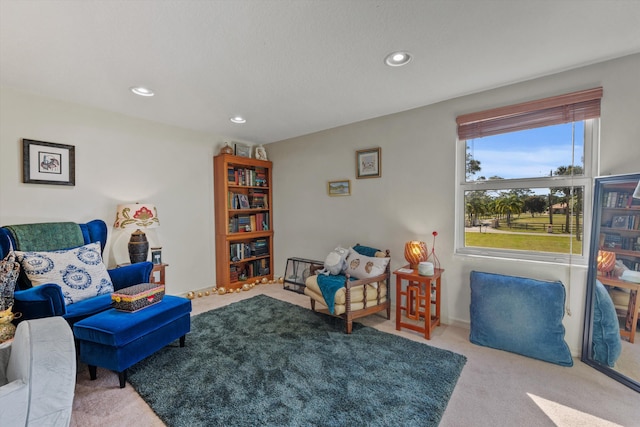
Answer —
(47, 300)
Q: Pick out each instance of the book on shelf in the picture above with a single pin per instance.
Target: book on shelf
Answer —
(259, 247)
(233, 274)
(258, 267)
(258, 199)
(231, 175)
(240, 251)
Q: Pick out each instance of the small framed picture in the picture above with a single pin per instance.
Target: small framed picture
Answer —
(156, 255)
(368, 163)
(339, 188)
(620, 221)
(242, 150)
(48, 163)
(243, 201)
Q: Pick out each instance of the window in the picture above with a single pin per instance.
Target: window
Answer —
(524, 178)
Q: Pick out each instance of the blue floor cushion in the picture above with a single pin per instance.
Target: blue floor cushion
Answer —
(605, 340)
(519, 315)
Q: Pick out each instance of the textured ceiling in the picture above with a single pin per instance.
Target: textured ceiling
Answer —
(293, 67)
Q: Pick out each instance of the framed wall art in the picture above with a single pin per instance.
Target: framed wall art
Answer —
(368, 163)
(242, 150)
(48, 163)
(339, 188)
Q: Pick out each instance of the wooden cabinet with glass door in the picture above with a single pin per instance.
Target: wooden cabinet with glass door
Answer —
(243, 220)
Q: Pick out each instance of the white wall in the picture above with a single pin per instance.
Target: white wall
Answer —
(121, 159)
(118, 160)
(415, 194)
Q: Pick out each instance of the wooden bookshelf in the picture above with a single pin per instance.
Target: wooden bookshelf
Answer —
(243, 220)
(620, 223)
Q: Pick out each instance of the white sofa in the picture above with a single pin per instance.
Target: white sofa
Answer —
(38, 374)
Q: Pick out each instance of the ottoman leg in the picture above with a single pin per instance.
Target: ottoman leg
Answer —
(182, 338)
(122, 376)
(92, 372)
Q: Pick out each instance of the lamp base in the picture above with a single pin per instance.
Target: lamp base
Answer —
(138, 247)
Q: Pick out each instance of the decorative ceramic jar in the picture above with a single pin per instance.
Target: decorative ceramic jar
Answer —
(138, 247)
(425, 269)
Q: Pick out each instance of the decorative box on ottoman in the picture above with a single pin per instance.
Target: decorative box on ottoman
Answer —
(136, 297)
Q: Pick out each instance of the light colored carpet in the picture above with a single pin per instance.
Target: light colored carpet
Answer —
(629, 361)
(496, 388)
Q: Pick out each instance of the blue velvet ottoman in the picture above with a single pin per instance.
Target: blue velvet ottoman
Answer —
(116, 340)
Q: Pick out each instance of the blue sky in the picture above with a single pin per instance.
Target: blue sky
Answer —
(528, 154)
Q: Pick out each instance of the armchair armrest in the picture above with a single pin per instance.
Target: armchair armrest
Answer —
(39, 301)
(129, 275)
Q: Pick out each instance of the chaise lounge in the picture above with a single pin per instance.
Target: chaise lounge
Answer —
(362, 289)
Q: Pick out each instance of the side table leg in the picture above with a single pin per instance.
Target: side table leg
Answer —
(427, 310)
(398, 301)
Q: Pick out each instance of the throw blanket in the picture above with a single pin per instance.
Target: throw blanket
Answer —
(46, 236)
(329, 285)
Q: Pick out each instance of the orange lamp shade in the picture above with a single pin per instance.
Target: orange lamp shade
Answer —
(415, 252)
(606, 261)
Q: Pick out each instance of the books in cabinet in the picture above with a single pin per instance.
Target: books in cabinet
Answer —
(254, 199)
(619, 199)
(251, 177)
(249, 223)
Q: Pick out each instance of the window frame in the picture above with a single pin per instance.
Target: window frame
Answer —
(590, 170)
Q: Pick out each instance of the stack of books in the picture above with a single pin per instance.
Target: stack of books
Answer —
(259, 247)
(250, 177)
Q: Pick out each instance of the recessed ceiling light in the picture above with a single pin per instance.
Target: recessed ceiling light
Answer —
(142, 91)
(397, 59)
(238, 119)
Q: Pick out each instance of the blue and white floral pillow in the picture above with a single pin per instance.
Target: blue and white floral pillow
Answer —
(79, 272)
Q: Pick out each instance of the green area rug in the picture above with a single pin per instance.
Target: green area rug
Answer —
(265, 362)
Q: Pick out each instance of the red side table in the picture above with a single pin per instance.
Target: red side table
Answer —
(415, 299)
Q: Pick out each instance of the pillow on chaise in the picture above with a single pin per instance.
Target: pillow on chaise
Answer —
(365, 267)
